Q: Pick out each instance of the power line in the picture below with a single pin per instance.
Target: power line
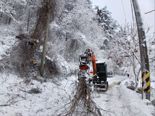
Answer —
(153, 35)
(132, 11)
(124, 11)
(149, 11)
(154, 21)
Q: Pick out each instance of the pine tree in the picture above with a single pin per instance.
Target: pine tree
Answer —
(106, 21)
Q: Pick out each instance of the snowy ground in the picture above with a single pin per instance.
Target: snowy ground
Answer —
(16, 101)
(55, 94)
(153, 80)
(120, 101)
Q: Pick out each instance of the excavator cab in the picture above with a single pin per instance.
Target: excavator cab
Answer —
(83, 59)
(100, 80)
(83, 66)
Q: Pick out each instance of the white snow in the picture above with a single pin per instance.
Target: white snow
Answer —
(120, 101)
(54, 95)
(7, 39)
(57, 93)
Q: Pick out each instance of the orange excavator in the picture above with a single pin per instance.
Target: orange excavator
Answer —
(99, 74)
(93, 59)
(99, 77)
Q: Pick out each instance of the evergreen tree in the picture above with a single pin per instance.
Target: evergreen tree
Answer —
(106, 21)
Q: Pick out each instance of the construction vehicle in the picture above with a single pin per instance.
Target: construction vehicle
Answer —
(100, 79)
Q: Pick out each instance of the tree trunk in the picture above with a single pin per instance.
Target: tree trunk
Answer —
(44, 48)
(41, 26)
(48, 14)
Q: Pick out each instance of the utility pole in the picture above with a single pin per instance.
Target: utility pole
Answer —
(142, 44)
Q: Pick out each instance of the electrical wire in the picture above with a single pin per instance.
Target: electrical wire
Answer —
(154, 29)
(124, 12)
(154, 22)
(132, 11)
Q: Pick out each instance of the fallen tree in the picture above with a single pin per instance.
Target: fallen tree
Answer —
(82, 104)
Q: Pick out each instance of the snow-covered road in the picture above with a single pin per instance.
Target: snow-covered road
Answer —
(120, 101)
(117, 101)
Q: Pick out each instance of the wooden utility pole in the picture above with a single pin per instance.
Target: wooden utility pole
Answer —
(142, 43)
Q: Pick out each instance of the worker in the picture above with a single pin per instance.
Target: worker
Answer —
(91, 56)
(88, 53)
(93, 59)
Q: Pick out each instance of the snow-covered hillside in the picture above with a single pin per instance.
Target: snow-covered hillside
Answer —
(7, 39)
(74, 30)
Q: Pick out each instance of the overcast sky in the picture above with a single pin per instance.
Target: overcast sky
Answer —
(121, 11)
